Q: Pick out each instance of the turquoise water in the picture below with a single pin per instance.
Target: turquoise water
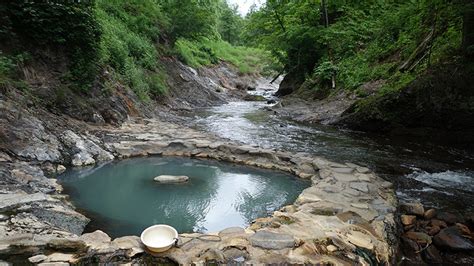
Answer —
(122, 198)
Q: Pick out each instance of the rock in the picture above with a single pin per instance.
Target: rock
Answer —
(411, 250)
(270, 240)
(360, 239)
(415, 208)
(97, 119)
(83, 149)
(363, 170)
(96, 240)
(67, 244)
(431, 255)
(452, 238)
(232, 231)
(171, 178)
(271, 101)
(5, 157)
(3, 217)
(463, 229)
(331, 248)
(419, 237)
(37, 258)
(60, 257)
(430, 214)
(54, 264)
(436, 222)
(60, 168)
(408, 219)
(11, 201)
(448, 217)
(434, 230)
(360, 186)
(132, 244)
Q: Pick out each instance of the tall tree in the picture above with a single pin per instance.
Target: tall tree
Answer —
(468, 31)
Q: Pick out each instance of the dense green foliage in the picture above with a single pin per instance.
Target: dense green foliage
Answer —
(363, 41)
(43, 24)
(123, 39)
(206, 31)
(130, 31)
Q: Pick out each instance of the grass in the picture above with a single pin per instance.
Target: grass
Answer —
(205, 52)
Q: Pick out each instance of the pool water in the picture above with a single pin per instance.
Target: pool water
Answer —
(122, 198)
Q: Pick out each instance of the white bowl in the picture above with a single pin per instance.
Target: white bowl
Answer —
(159, 238)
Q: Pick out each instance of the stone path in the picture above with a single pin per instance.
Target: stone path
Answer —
(346, 216)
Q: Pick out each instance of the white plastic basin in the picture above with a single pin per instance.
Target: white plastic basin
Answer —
(159, 238)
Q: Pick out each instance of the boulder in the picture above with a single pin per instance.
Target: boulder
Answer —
(171, 178)
(452, 238)
(269, 240)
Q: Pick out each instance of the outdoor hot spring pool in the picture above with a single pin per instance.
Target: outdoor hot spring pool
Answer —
(121, 197)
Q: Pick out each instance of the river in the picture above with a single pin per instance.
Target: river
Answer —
(437, 175)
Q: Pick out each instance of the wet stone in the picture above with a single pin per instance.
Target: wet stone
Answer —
(452, 238)
(415, 208)
(269, 240)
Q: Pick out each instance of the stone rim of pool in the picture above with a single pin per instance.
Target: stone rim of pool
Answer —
(320, 219)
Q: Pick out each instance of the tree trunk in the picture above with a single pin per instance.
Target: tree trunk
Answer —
(324, 8)
(468, 32)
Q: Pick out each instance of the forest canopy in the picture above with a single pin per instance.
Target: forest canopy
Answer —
(326, 44)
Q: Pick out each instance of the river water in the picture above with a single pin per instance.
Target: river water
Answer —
(437, 175)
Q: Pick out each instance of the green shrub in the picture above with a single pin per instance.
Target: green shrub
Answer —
(130, 29)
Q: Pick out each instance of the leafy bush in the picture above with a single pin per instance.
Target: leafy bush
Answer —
(130, 29)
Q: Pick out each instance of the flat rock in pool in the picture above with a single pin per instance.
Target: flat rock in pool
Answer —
(171, 178)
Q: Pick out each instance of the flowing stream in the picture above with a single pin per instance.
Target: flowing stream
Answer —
(438, 176)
